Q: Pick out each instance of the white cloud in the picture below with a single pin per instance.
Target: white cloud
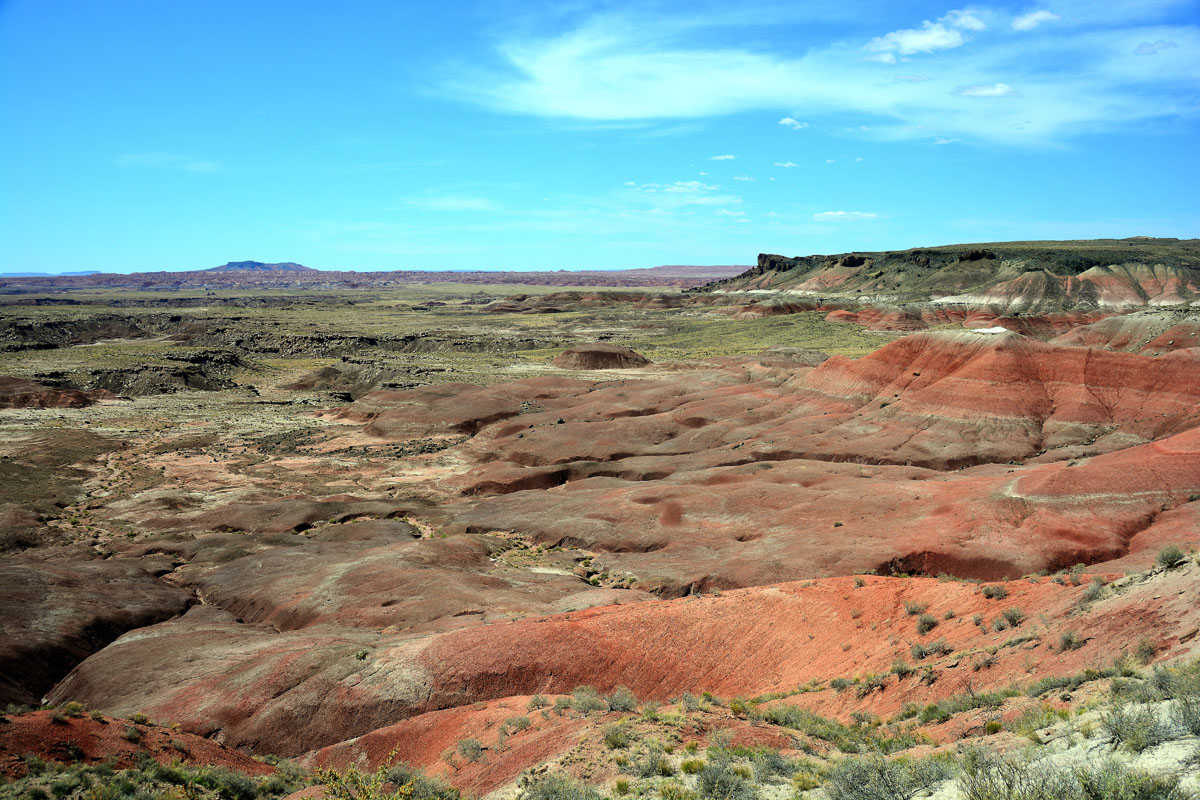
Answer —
(629, 183)
(829, 160)
(844, 216)
(787, 164)
(929, 37)
(967, 20)
(984, 90)
(690, 186)
(168, 161)
(725, 212)
(722, 158)
(1027, 22)
(943, 140)
(1081, 80)
(1152, 48)
(794, 124)
(744, 178)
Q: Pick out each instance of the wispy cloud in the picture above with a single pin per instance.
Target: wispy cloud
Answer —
(744, 178)
(787, 164)
(984, 90)
(168, 161)
(1079, 77)
(722, 158)
(943, 140)
(450, 203)
(1153, 48)
(794, 124)
(844, 216)
(1027, 22)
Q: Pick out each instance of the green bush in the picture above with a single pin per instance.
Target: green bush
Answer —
(1070, 640)
(1185, 712)
(536, 702)
(1169, 556)
(517, 723)
(470, 749)
(877, 778)
(926, 623)
(585, 699)
(1014, 616)
(914, 609)
(994, 592)
(622, 699)
(1136, 728)
(718, 781)
(616, 737)
(691, 766)
(419, 785)
(559, 787)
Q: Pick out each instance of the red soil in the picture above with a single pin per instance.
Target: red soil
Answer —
(41, 734)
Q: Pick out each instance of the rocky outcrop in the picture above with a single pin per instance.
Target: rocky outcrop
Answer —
(22, 393)
(53, 616)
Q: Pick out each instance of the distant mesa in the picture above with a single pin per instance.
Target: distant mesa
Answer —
(600, 356)
(259, 266)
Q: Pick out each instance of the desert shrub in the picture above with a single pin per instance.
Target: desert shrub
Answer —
(654, 764)
(585, 699)
(738, 705)
(902, 668)
(131, 734)
(949, 614)
(1111, 780)
(915, 609)
(622, 699)
(1185, 712)
(940, 648)
(718, 781)
(691, 766)
(877, 778)
(690, 702)
(988, 776)
(616, 737)
(994, 592)
(1094, 591)
(841, 684)
(562, 705)
(674, 790)
(470, 749)
(870, 683)
(918, 651)
(926, 623)
(1014, 616)
(1136, 728)
(1070, 640)
(536, 702)
(559, 787)
(139, 718)
(1146, 650)
(517, 723)
(769, 763)
(1169, 556)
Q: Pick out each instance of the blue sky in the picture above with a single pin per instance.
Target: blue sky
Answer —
(139, 136)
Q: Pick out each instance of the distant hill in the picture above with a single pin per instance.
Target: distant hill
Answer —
(698, 271)
(259, 266)
(45, 274)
